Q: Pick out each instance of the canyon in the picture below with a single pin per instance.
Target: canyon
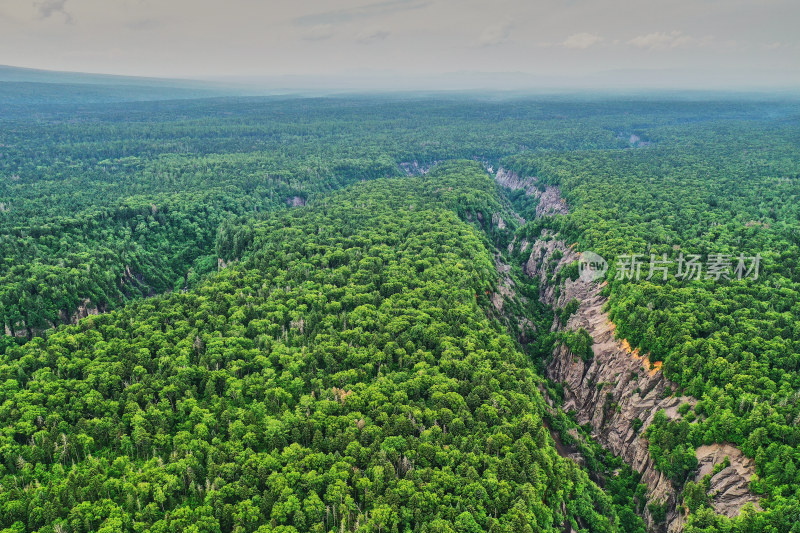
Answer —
(619, 391)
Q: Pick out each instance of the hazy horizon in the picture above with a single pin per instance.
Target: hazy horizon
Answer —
(415, 44)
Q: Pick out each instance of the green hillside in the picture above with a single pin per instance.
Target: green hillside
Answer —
(343, 374)
(259, 314)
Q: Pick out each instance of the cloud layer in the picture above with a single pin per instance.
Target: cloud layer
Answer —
(580, 41)
(664, 41)
(538, 37)
(50, 8)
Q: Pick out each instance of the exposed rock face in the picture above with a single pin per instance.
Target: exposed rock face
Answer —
(85, 309)
(550, 200)
(731, 483)
(507, 291)
(130, 277)
(20, 330)
(551, 203)
(634, 141)
(512, 180)
(505, 286)
(295, 201)
(613, 389)
(570, 452)
(415, 168)
(619, 386)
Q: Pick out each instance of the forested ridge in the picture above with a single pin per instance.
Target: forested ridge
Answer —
(342, 374)
(90, 194)
(313, 314)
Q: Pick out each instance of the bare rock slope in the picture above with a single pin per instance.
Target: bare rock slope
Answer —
(619, 387)
(550, 201)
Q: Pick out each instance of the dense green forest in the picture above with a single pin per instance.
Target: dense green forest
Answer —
(100, 204)
(733, 344)
(342, 374)
(297, 329)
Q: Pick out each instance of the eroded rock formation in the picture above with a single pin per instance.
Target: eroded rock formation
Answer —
(295, 201)
(619, 391)
(549, 196)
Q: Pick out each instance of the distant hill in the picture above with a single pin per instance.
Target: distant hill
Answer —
(24, 86)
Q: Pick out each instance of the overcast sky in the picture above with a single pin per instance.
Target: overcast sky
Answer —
(727, 41)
